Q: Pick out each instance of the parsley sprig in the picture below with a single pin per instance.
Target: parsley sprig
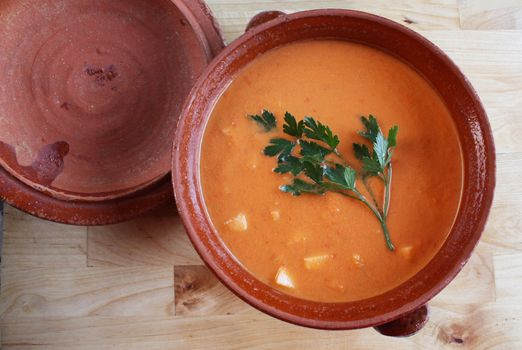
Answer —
(313, 158)
(266, 120)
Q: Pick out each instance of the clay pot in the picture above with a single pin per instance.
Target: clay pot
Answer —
(90, 95)
(400, 311)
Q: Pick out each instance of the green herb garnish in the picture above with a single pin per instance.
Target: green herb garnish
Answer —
(319, 167)
(266, 120)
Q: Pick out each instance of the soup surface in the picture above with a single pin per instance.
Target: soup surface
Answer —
(330, 248)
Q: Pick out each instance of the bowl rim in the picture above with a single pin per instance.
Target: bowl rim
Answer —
(188, 194)
(81, 213)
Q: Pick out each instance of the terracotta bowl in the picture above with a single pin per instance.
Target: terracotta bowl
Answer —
(400, 311)
(90, 95)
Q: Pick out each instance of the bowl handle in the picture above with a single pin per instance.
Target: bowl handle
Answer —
(263, 17)
(407, 325)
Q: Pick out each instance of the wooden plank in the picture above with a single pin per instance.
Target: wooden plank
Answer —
(77, 292)
(478, 272)
(502, 233)
(157, 239)
(32, 242)
(198, 293)
(508, 176)
(503, 229)
(508, 278)
(213, 332)
(419, 15)
(490, 15)
(493, 51)
(486, 326)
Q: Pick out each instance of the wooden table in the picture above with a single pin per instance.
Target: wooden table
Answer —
(140, 285)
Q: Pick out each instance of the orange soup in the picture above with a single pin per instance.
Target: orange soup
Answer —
(328, 247)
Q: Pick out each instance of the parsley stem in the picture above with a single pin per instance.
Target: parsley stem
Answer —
(368, 188)
(387, 190)
(370, 191)
(341, 158)
(362, 199)
(376, 212)
(348, 195)
(339, 155)
(387, 238)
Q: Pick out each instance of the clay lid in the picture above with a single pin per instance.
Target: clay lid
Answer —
(90, 94)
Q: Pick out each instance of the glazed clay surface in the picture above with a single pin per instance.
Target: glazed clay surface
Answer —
(478, 163)
(90, 92)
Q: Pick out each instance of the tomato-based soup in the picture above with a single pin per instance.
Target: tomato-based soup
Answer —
(329, 247)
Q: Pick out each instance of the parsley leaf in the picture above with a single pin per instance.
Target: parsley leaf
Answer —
(299, 187)
(361, 151)
(380, 149)
(372, 128)
(314, 171)
(266, 120)
(342, 176)
(317, 131)
(279, 147)
(371, 166)
(292, 127)
(375, 163)
(313, 150)
(392, 136)
(289, 164)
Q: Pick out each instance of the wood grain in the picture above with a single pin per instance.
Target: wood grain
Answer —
(487, 14)
(75, 292)
(141, 285)
(156, 239)
(483, 327)
(508, 278)
(492, 62)
(503, 229)
(198, 293)
(234, 15)
(32, 242)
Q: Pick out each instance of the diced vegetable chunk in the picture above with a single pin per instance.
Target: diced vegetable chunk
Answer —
(227, 131)
(284, 279)
(316, 261)
(238, 223)
(336, 285)
(298, 238)
(275, 215)
(406, 252)
(357, 260)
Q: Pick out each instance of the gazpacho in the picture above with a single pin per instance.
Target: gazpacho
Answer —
(323, 243)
